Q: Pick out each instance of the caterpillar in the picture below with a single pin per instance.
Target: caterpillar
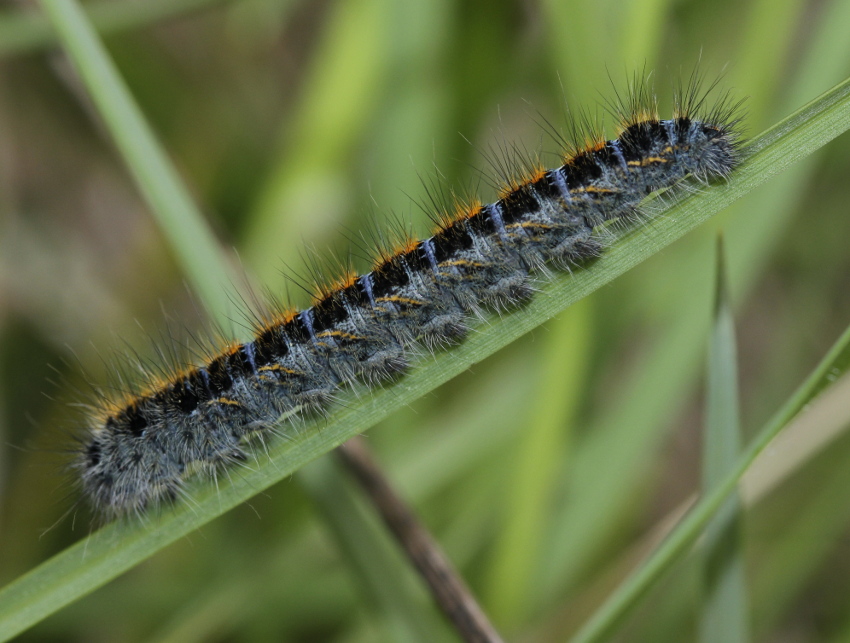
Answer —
(140, 451)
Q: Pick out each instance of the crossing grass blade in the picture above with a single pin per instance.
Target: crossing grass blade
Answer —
(724, 599)
(614, 611)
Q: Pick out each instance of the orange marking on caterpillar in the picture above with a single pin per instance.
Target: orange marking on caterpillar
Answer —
(533, 224)
(326, 291)
(461, 212)
(157, 383)
(405, 246)
(226, 401)
(340, 334)
(650, 160)
(592, 144)
(593, 189)
(462, 262)
(400, 300)
(649, 116)
(279, 318)
(279, 369)
(526, 178)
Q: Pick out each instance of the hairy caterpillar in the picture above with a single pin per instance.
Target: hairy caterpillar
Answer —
(141, 450)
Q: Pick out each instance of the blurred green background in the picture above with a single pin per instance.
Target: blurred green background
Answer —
(547, 470)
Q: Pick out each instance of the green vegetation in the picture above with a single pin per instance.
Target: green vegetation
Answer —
(550, 470)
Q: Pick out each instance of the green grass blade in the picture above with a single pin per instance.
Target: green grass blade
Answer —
(724, 605)
(107, 553)
(608, 617)
(194, 244)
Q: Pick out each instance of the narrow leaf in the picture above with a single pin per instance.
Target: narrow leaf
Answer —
(196, 249)
(612, 613)
(724, 605)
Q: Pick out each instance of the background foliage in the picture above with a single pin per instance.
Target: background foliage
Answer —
(548, 469)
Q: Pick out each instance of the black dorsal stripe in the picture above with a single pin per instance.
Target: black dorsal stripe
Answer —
(219, 376)
(389, 276)
(582, 169)
(269, 346)
(547, 189)
(636, 139)
(414, 260)
(329, 312)
(93, 453)
(605, 157)
(239, 364)
(519, 203)
(296, 331)
(186, 392)
(134, 420)
(451, 240)
(353, 294)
